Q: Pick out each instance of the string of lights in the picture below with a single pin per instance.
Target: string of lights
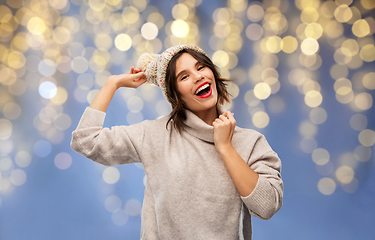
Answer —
(57, 54)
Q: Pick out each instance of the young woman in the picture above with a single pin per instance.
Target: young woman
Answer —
(205, 175)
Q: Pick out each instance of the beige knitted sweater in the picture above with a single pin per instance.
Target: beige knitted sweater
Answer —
(189, 192)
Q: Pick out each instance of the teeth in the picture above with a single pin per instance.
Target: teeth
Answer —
(201, 88)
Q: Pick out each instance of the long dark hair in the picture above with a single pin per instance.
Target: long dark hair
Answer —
(178, 114)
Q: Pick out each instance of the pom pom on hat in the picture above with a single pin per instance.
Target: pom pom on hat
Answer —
(145, 59)
(155, 65)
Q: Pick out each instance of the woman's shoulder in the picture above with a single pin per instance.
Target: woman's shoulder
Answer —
(151, 125)
(246, 132)
(162, 120)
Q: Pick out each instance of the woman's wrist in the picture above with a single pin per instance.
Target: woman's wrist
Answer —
(112, 82)
(224, 148)
(104, 96)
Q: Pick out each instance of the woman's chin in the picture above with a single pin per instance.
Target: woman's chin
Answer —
(203, 106)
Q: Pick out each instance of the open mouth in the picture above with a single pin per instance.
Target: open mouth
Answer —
(204, 91)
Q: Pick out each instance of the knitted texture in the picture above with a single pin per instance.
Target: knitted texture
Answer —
(189, 193)
(155, 65)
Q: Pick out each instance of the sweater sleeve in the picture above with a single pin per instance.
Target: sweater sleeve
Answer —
(108, 146)
(266, 198)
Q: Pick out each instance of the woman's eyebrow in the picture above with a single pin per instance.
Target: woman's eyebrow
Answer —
(183, 71)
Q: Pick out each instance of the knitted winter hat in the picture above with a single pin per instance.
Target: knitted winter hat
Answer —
(155, 65)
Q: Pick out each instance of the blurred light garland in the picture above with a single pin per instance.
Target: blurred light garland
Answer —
(40, 44)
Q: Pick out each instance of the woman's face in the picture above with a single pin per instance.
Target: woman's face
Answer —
(196, 83)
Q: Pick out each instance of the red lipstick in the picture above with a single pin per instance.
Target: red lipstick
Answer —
(207, 94)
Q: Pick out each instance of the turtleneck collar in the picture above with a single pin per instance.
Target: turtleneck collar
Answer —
(200, 129)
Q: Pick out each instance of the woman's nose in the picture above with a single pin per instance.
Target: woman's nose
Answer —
(198, 76)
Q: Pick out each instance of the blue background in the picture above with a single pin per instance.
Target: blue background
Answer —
(68, 204)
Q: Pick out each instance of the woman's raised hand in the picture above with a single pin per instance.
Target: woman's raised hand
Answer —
(223, 130)
(135, 78)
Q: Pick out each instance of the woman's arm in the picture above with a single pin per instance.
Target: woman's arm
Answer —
(258, 179)
(109, 146)
(242, 175)
(134, 79)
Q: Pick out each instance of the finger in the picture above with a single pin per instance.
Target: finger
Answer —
(224, 118)
(139, 83)
(228, 113)
(218, 121)
(135, 76)
(232, 119)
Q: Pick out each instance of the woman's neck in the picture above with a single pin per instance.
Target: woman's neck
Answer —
(209, 115)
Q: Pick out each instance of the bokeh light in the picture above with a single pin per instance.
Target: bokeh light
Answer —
(309, 46)
(120, 217)
(133, 207)
(180, 28)
(47, 89)
(63, 160)
(320, 156)
(326, 186)
(42, 148)
(367, 137)
(6, 128)
(111, 175)
(18, 177)
(113, 203)
(22, 159)
(302, 71)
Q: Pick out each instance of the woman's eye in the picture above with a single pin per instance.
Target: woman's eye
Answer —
(200, 68)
